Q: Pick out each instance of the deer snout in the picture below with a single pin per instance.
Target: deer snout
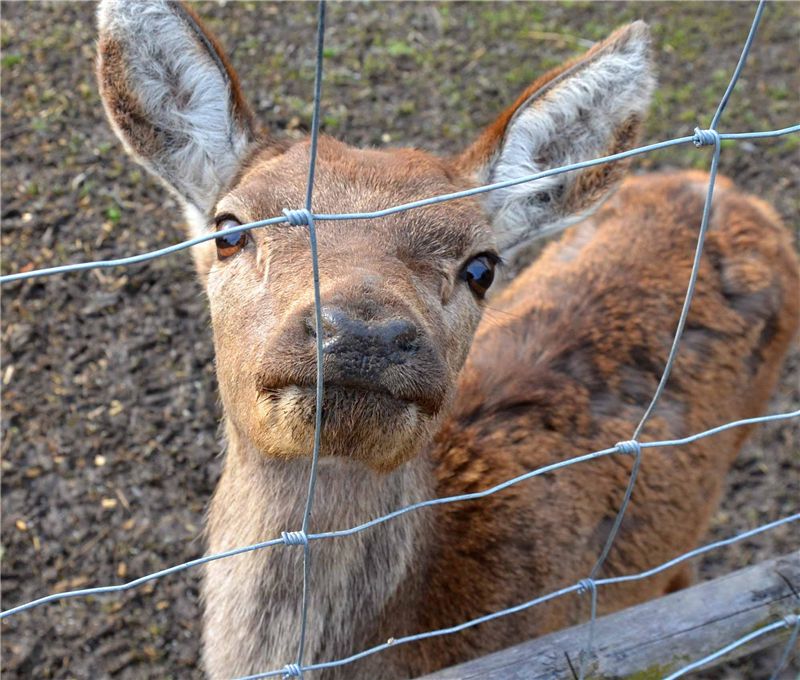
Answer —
(367, 347)
(363, 348)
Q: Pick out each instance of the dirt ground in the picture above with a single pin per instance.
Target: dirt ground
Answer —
(109, 421)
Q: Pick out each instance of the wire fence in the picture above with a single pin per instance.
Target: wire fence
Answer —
(304, 537)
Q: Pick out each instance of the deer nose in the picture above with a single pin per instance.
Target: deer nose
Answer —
(386, 341)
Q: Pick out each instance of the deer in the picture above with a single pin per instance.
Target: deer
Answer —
(435, 384)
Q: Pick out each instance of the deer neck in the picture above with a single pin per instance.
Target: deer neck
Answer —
(252, 618)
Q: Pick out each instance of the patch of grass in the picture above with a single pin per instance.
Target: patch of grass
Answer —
(113, 214)
(790, 142)
(10, 60)
(654, 672)
(406, 108)
(331, 121)
(398, 48)
(498, 18)
(779, 92)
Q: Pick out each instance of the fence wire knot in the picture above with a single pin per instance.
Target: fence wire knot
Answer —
(791, 620)
(298, 218)
(292, 670)
(587, 585)
(294, 537)
(705, 137)
(631, 447)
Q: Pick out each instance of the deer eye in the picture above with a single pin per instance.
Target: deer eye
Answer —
(479, 273)
(230, 244)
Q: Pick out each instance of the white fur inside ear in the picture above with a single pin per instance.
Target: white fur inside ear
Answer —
(574, 118)
(183, 91)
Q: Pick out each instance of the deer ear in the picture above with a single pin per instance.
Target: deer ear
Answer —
(592, 106)
(171, 97)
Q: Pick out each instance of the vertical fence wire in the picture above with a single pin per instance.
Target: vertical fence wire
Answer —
(312, 477)
(791, 645)
(740, 64)
(703, 137)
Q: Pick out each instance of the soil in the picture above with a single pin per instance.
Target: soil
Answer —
(109, 443)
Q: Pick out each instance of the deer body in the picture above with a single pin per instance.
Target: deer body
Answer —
(583, 368)
(422, 397)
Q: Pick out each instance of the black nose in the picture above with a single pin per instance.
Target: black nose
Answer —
(362, 349)
(345, 332)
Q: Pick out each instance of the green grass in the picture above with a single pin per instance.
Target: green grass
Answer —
(9, 60)
(113, 214)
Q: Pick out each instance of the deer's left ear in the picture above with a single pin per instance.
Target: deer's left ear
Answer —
(592, 106)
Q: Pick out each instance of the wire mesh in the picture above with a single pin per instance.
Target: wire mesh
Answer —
(303, 537)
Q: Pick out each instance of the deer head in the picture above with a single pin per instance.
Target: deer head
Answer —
(401, 295)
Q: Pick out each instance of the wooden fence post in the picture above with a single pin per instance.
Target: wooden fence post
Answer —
(658, 637)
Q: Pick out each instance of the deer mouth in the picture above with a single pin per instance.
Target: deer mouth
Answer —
(355, 386)
(340, 396)
(370, 424)
(373, 410)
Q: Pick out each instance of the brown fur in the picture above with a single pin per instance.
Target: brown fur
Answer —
(584, 336)
(564, 362)
(121, 103)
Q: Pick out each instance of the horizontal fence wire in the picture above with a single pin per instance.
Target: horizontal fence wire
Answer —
(288, 539)
(385, 212)
(578, 587)
(306, 217)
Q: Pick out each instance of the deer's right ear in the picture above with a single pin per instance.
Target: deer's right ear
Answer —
(171, 96)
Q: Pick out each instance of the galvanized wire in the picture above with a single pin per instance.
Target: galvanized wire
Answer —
(740, 65)
(578, 587)
(385, 212)
(312, 232)
(776, 625)
(791, 645)
(104, 590)
(302, 537)
(702, 138)
(294, 538)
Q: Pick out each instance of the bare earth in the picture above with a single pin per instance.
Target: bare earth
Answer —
(109, 422)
